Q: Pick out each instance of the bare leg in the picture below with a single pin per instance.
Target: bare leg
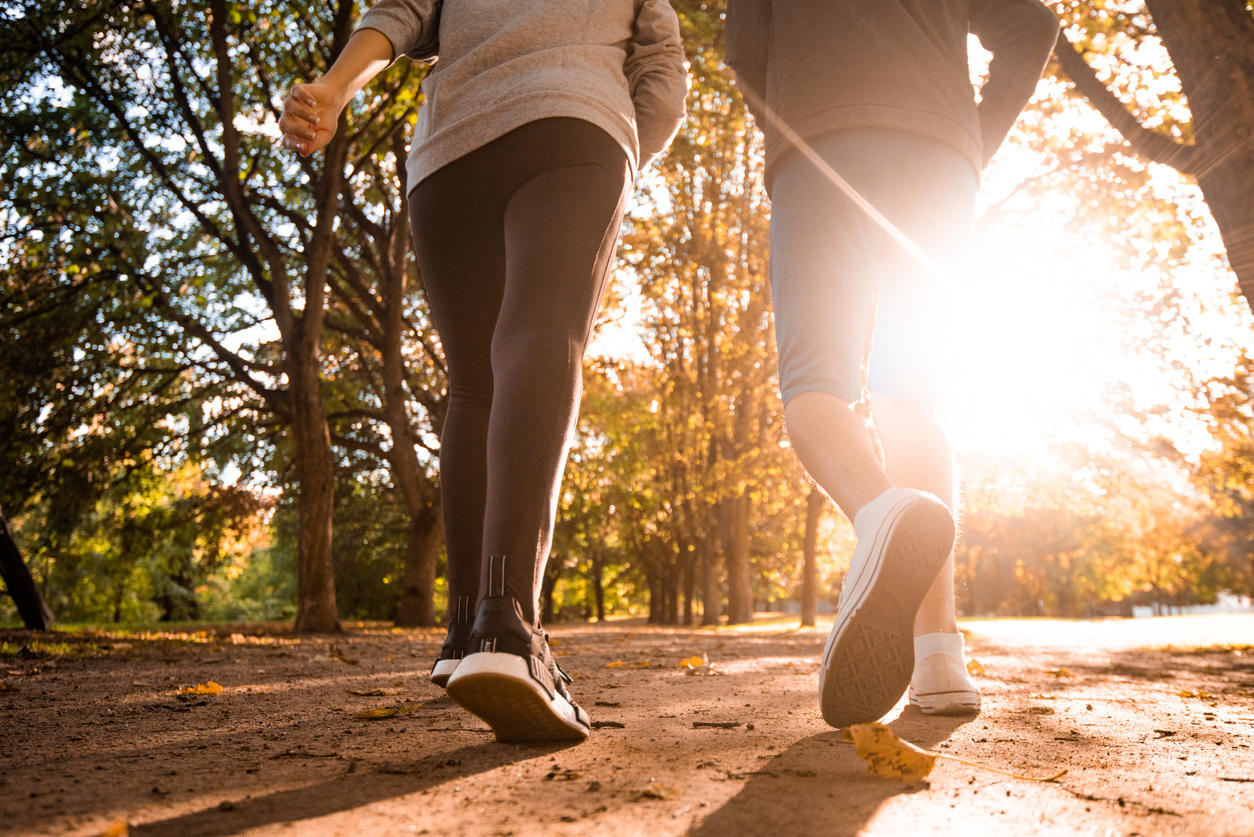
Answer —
(918, 456)
(834, 445)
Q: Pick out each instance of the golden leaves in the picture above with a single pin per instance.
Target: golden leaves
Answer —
(210, 688)
(887, 755)
(975, 668)
(699, 665)
(625, 664)
(389, 712)
(1185, 693)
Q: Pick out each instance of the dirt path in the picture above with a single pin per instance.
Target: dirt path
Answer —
(93, 733)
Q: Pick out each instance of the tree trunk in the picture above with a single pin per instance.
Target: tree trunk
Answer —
(672, 595)
(711, 589)
(598, 584)
(315, 499)
(418, 491)
(655, 599)
(735, 532)
(20, 583)
(815, 501)
(687, 563)
(1211, 44)
(546, 597)
(416, 607)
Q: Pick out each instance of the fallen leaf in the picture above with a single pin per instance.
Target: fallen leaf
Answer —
(210, 688)
(373, 692)
(616, 664)
(1058, 673)
(1187, 694)
(378, 714)
(1040, 710)
(694, 662)
(336, 654)
(708, 671)
(118, 829)
(887, 755)
(655, 790)
(976, 668)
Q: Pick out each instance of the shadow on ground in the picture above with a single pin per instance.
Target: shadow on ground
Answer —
(825, 786)
(344, 792)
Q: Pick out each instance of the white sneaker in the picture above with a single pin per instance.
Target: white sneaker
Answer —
(904, 537)
(940, 684)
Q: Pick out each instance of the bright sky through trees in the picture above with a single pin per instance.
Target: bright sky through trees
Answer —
(1053, 336)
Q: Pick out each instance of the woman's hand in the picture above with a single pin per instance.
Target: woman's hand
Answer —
(311, 113)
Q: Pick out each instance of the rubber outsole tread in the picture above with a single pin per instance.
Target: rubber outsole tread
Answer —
(517, 710)
(868, 667)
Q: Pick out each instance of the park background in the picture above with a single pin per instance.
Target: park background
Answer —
(221, 396)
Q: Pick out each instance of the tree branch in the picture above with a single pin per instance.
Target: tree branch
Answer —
(1151, 145)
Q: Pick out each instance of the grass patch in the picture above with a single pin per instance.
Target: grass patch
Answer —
(42, 650)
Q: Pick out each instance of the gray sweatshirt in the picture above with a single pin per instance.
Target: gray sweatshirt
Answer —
(833, 65)
(618, 64)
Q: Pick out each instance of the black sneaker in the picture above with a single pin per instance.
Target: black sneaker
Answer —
(455, 643)
(510, 679)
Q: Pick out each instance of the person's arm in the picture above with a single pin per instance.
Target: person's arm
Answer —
(748, 37)
(311, 112)
(657, 77)
(1021, 35)
(390, 29)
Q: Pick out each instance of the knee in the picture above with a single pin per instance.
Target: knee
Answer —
(536, 354)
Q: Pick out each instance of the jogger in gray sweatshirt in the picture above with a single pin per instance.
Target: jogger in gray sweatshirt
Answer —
(536, 116)
(874, 147)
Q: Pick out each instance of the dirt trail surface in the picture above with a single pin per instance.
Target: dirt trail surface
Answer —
(95, 734)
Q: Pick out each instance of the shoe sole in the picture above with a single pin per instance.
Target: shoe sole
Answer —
(442, 671)
(869, 656)
(962, 702)
(499, 689)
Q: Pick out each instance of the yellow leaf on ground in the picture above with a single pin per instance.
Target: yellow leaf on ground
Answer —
(615, 664)
(693, 662)
(210, 688)
(373, 692)
(975, 668)
(887, 755)
(1187, 694)
(118, 829)
(379, 714)
(1059, 672)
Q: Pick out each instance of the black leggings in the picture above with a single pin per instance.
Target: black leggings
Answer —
(514, 243)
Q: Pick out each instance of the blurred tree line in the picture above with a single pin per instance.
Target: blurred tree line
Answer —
(221, 398)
